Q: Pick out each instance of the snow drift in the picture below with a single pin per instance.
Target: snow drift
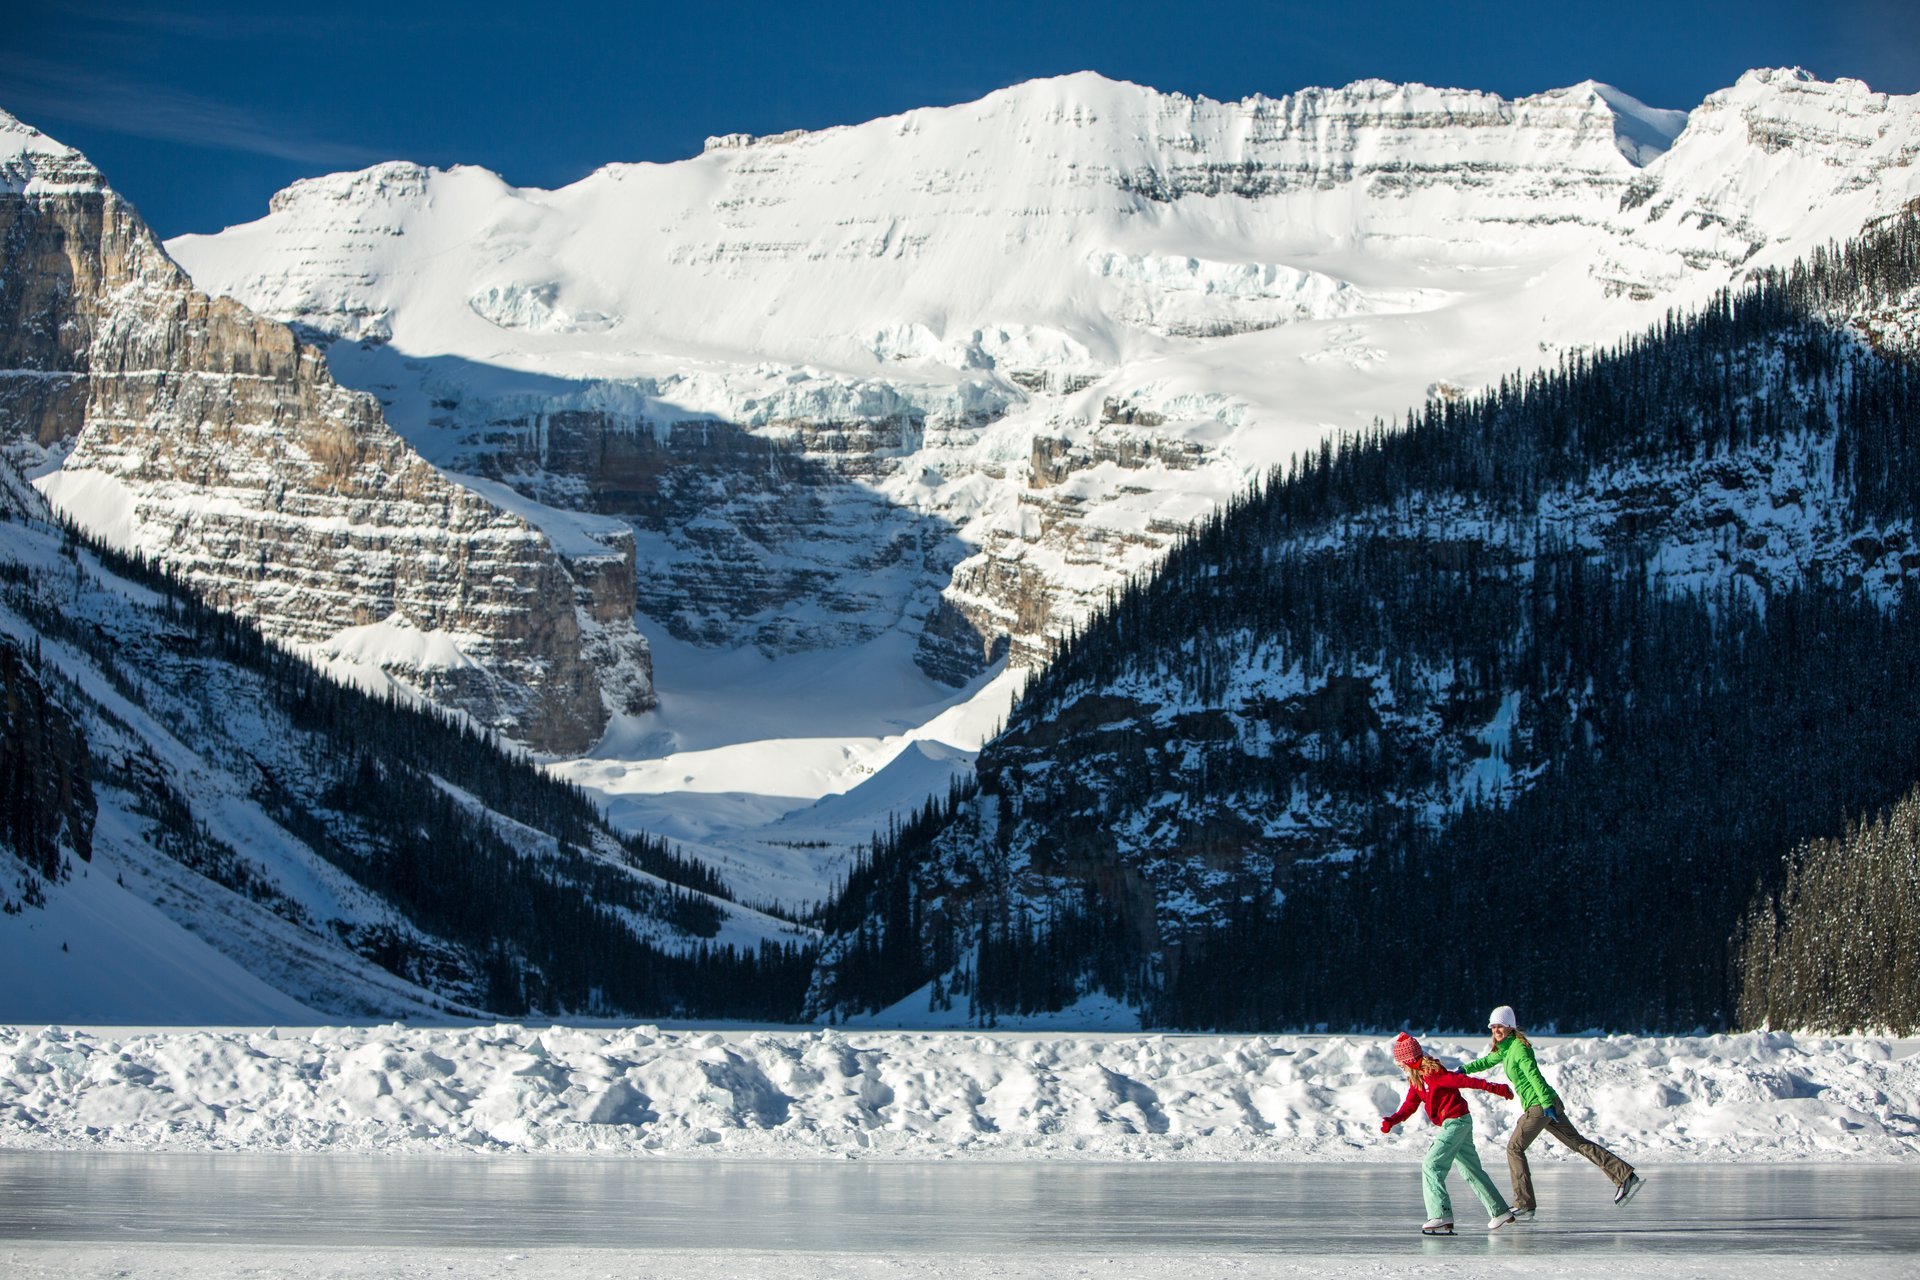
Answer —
(840, 1093)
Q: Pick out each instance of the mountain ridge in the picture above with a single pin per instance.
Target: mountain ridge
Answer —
(956, 374)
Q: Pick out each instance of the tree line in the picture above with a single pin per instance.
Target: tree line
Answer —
(1836, 946)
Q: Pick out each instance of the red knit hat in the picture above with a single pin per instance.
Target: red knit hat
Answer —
(1406, 1050)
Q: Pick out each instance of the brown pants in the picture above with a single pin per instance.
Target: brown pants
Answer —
(1528, 1127)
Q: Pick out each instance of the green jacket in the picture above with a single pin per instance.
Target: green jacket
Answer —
(1522, 1073)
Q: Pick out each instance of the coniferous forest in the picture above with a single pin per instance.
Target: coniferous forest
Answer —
(1837, 946)
(46, 805)
(1527, 702)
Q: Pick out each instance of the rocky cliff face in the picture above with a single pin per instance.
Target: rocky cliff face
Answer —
(189, 428)
(965, 370)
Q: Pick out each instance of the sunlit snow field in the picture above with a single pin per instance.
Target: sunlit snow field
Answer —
(776, 771)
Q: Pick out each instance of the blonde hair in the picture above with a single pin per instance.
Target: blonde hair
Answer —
(1426, 1066)
(1518, 1034)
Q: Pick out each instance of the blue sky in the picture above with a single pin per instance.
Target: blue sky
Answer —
(199, 112)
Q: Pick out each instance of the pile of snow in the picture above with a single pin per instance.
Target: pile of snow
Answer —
(1760, 1096)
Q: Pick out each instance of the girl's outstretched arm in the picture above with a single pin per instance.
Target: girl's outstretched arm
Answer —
(1455, 1080)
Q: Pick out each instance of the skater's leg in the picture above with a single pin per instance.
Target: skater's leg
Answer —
(1525, 1130)
(1469, 1161)
(1433, 1170)
(1613, 1166)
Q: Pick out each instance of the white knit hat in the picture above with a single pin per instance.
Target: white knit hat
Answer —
(1503, 1017)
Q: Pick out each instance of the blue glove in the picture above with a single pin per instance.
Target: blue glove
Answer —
(1553, 1115)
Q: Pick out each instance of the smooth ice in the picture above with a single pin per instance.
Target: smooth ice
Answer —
(930, 1209)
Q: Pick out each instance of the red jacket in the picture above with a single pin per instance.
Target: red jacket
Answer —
(1441, 1092)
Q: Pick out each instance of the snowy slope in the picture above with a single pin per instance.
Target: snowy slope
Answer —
(775, 771)
(220, 886)
(998, 354)
(1071, 225)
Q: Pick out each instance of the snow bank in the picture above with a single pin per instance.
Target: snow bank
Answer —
(1764, 1096)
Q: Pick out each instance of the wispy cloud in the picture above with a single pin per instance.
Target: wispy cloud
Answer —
(38, 92)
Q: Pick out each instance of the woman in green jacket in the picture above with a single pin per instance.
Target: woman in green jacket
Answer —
(1512, 1051)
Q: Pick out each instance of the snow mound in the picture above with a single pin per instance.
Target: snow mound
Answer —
(397, 642)
(1768, 1096)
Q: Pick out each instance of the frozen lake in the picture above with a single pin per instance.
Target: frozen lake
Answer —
(933, 1209)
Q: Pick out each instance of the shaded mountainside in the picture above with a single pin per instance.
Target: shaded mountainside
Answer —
(46, 801)
(1544, 684)
(363, 856)
(193, 430)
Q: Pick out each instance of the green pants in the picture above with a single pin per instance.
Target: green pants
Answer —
(1454, 1143)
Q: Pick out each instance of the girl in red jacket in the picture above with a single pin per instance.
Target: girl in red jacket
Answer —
(1439, 1089)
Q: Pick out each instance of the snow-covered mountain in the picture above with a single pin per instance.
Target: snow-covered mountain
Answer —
(191, 430)
(962, 370)
(887, 404)
(925, 389)
(848, 419)
(1553, 680)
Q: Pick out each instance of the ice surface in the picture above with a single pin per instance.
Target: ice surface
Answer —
(1713, 1258)
(620, 1215)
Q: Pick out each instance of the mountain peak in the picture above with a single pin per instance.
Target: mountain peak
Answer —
(1778, 81)
(31, 163)
(390, 179)
(1641, 132)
